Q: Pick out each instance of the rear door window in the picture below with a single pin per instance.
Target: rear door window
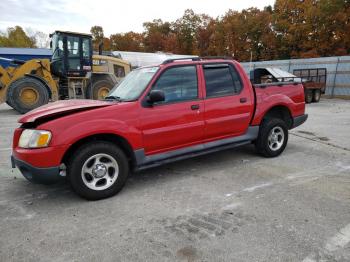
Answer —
(221, 80)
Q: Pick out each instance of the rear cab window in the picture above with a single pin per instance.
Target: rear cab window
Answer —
(221, 80)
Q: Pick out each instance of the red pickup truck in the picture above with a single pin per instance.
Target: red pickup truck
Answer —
(157, 114)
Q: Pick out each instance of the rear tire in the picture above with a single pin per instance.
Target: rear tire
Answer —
(98, 170)
(272, 138)
(316, 95)
(308, 96)
(26, 94)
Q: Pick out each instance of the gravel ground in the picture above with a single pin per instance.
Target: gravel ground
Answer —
(228, 206)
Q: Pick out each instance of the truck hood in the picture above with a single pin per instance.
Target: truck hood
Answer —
(61, 108)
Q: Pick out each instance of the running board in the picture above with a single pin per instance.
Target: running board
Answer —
(144, 162)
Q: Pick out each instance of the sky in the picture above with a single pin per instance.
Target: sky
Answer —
(114, 16)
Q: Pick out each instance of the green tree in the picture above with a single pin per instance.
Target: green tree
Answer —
(217, 37)
(16, 37)
(204, 34)
(289, 29)
(329, 28)
(312, 28)
(245, 34)
(97, 36)
(130, 41)
(157, 36)
(185, 29)
(3, 40)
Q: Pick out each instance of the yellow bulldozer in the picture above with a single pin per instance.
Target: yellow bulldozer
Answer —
(74, 72)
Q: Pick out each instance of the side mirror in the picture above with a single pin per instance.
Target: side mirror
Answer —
(50, 44)
(156, 96)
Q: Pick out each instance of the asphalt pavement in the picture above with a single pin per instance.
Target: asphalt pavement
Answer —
(228, 206)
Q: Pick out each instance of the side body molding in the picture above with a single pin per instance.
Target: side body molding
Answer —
(143, 161)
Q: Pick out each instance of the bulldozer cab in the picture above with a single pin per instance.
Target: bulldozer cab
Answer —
(73, 73)
(71, 54)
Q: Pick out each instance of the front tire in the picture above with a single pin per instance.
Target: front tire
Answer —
(98, 170)
(272, 138)
(26, 94)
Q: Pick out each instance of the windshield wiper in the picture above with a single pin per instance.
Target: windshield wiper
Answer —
(113, 98)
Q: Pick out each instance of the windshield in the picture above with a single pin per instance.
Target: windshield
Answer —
(133, 84)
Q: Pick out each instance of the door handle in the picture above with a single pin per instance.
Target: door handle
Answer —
(243, 99)
(194, 107)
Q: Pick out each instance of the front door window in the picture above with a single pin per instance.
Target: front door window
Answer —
(178, 84)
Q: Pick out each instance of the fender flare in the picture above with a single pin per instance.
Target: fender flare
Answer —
(99, 126)
(283, 101)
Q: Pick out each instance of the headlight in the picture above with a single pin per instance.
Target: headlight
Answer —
(31, 138)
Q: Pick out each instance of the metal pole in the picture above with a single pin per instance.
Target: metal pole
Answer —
(290, 62)
(251, 60)
(335, 77)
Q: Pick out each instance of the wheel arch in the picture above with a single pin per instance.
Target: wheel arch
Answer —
(108, 137)
(280, 111)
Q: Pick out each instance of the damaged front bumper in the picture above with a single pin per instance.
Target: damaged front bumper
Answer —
(47, 175)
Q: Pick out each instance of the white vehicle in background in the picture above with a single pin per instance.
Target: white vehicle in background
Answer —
(139, 59)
